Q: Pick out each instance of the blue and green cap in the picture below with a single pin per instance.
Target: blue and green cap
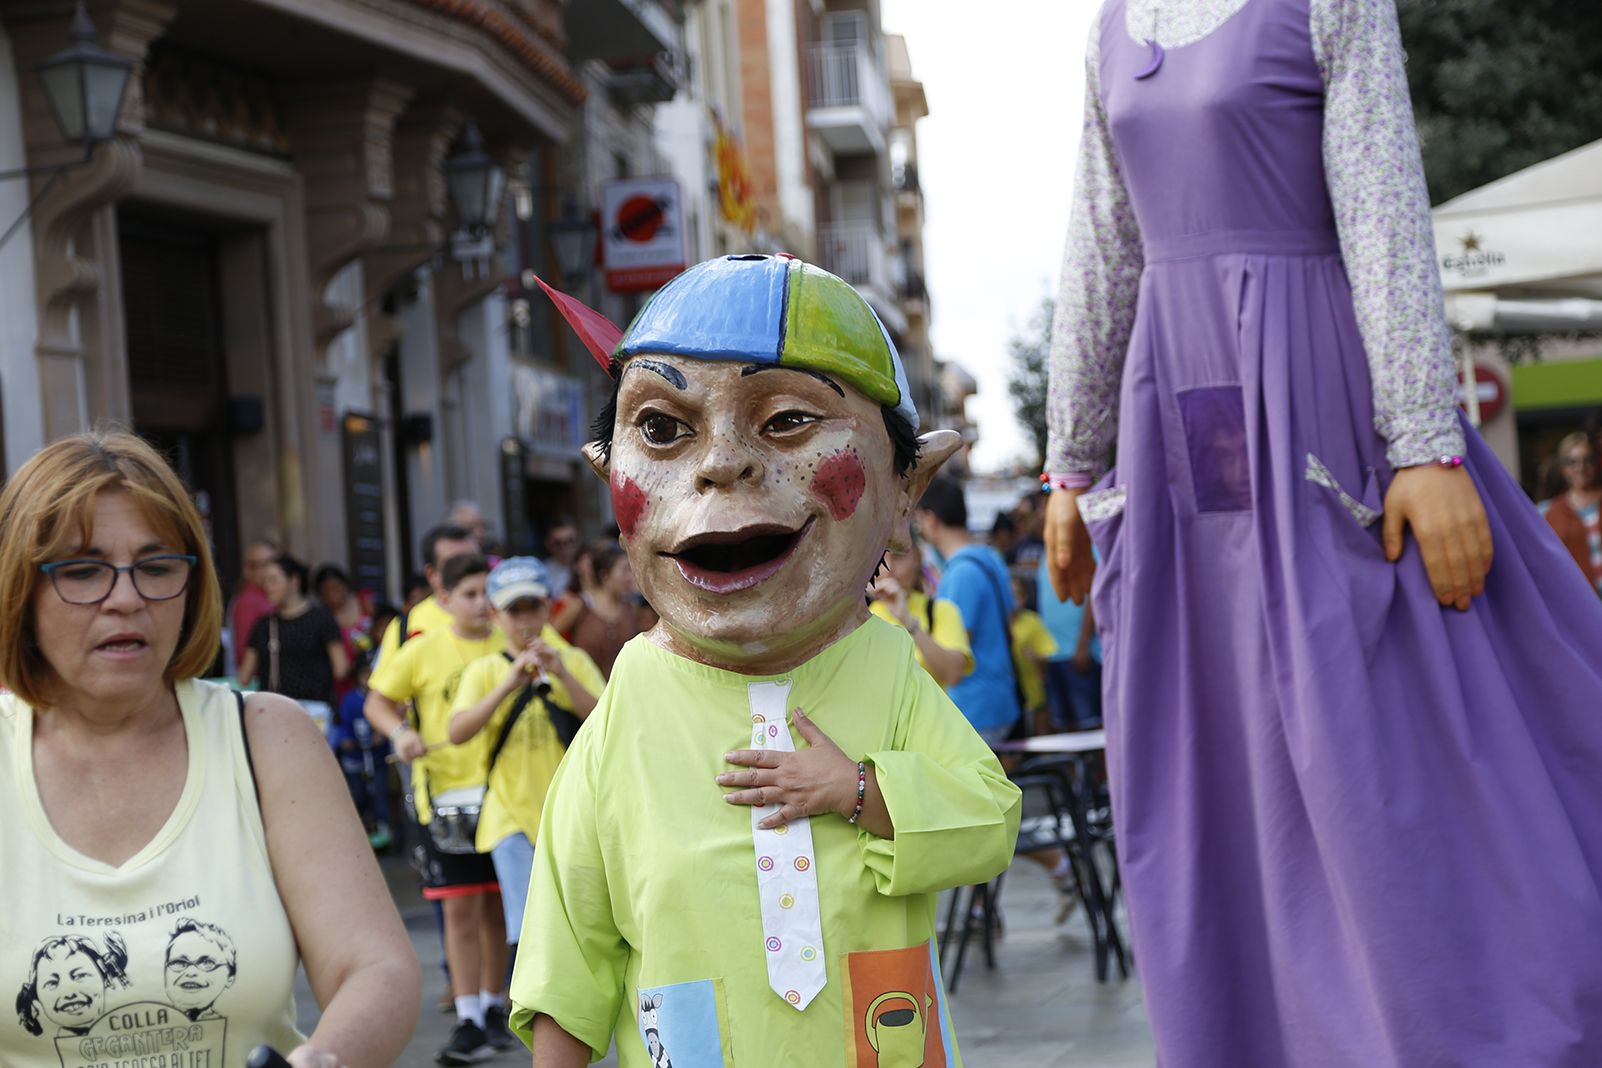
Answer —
(774, 310)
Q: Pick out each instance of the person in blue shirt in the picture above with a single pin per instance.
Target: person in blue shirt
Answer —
(975, 580)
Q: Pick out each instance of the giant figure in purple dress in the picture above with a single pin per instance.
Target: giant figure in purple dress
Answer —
(1357, 768)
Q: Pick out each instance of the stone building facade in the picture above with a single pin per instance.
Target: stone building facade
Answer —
(263, 274)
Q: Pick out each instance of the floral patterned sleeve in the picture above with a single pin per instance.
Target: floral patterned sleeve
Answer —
(1096, 303)
(1382, 210)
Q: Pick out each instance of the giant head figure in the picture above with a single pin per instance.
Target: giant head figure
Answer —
(762, 453)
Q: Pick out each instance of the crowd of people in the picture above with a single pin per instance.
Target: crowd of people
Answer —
(419, 702)
(314, 637)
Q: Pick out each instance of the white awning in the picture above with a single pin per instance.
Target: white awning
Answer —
(1536, 232)
(1554, 315)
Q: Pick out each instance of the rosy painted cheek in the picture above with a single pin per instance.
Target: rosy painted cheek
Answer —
(839, 483)
(628, 503)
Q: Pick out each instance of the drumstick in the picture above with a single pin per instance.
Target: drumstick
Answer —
(394, 759)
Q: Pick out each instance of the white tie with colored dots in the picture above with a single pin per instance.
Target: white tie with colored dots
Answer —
(787, 872)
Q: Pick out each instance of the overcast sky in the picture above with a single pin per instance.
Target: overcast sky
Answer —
(1005, 82)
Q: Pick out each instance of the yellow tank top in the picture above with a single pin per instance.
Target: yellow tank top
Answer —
(181, 956)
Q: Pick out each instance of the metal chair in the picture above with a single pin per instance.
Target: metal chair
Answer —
(1090, 818)
(1054, 817)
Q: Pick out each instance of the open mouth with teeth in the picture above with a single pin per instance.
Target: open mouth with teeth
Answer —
(739, 559)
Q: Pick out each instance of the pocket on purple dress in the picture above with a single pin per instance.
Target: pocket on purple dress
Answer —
(1215, 438)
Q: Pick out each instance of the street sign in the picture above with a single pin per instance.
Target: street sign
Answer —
(1488, 388)
(642, 233)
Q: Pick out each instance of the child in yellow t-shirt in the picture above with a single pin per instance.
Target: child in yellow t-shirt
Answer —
(1032, 646)
(551, 687)
(938, 634)
(426, 671)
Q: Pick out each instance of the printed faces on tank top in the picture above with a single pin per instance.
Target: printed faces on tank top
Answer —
(148, 988)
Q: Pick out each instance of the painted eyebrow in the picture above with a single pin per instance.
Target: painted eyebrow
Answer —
(747, 372)
(673, 375)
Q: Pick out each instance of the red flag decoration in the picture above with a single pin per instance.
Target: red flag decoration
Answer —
(599, 334)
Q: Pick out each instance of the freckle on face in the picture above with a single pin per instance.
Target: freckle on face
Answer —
(840, 483)
(628, 503)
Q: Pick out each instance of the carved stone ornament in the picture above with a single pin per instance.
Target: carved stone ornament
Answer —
(344, 143)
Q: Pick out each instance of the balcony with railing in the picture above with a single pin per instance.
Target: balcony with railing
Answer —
(622, 30)
(856, 252)
(639, 40)
(848, 98)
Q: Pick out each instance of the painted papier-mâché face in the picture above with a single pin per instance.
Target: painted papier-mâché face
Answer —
(751, 471)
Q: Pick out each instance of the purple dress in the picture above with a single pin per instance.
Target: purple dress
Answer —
(1356, 829)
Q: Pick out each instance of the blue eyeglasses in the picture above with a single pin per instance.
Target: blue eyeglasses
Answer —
(155, 578)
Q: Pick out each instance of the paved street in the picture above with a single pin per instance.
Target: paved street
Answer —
(1040, 1008)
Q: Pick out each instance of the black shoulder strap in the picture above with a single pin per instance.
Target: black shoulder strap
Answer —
(402, 623)
(524, 697)
(244, 739)
(928, 614)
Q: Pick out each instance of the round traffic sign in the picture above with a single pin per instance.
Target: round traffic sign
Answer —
(639, 218)
(1488, 387)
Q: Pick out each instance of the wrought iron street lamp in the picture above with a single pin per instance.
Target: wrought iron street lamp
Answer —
(573, 239)
(85, 84)
(474, 181)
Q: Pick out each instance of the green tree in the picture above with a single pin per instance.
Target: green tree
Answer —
(1500, 84)
(1026, 379)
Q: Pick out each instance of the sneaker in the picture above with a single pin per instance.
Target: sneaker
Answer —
(381, 838)
(447, 1001)
(467, 1045)
(500, 1036)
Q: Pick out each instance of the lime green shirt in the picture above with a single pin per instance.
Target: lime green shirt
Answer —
(644, 888)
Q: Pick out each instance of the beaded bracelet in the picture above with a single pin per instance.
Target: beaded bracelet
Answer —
(1450, 461)
(862, 789)
(1049, 482)
(1080, 481)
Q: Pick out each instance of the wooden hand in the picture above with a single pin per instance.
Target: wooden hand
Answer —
(807, 782)
(1068, 555)
(1442, 507)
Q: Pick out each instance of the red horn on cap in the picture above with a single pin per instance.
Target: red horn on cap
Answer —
(599, 334)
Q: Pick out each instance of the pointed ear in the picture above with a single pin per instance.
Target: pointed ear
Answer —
(597, 461)
(599, 334)
(934, 449)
